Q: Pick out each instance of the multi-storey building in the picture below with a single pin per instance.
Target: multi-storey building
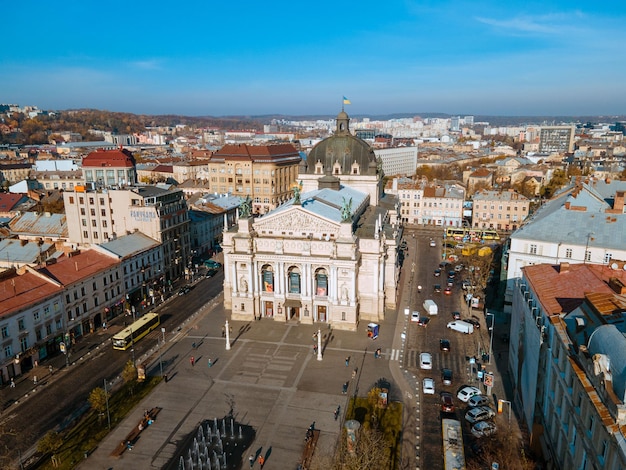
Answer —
(98, 216)
(556, 139)
(209, 216)
(584, 223)
(141, 259)
(500, 210)
(51, 305)
(326, 256)
(106, 168)
(14, 172)
(265, 173)
(398, 161)
(428, 203)
(567, 363)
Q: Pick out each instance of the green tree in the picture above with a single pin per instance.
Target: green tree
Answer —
(129, 375)
(98, 400)
(49, 444)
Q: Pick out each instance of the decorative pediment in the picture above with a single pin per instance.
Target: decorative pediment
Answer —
(295, 220)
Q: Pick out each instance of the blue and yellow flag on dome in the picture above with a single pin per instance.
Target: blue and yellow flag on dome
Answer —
(346, 100)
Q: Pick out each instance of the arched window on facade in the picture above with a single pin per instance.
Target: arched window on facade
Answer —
(293, 280)
(267, 278)
(321, 282)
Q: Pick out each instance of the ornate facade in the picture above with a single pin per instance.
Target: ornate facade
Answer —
(329, 255)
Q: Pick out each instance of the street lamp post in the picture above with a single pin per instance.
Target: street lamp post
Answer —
(227, 336)
(163, 331)
(160, 356)
(493, 319)
(106, 398)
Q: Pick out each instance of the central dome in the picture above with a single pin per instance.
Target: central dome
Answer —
(342, 153)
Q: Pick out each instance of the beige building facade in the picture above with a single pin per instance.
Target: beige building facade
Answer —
(326, 256)
(500, 210)
(265, 173)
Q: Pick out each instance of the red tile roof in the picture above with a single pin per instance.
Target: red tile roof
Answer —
(561, 289)
(118, 158)
(17, 292)
(254, 152)
(9, 200)
(70, 269)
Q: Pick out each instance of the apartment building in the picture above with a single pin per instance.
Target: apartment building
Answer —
(265, 173)
(567, 363)
(556, 139)
(398, 161)
(584, 223)
(54, 304)
(500, 210)
(100, 215)
(106, 168)
(14, 172)
(428, 203)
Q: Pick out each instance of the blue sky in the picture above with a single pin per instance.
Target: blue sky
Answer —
(250, 58)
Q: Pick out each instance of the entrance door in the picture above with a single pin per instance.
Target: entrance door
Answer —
(321, 313)
(294, 312)
(269, 309)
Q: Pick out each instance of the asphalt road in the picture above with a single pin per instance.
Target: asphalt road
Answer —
(62, 397)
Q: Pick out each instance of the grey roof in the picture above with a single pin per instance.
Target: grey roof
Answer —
(327, 202)
(40, 225)
(21, 251)
(554, 223)
(608, 340)
(129, 245)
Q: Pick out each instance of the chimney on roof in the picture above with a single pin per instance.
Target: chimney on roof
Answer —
(563, 267)
(618, 201)
(567, 205)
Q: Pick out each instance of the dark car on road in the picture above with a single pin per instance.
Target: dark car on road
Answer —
(210, 273)
(444, 345)
(446, 376)
(437, 272)
(473, 321)
(437, 287)
(456, 315)
(447, 402)
(184, 290)
(423, 321)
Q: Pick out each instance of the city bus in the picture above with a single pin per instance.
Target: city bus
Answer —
(133, 333)
(453, 453)
(468, 234)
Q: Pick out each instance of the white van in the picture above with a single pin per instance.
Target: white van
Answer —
(461, 326)
(431, 307)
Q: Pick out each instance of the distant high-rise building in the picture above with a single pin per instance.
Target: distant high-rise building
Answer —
(455, 123)
(468, 120)
(556, 139)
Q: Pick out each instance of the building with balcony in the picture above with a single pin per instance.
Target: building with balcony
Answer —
(428, 203)
(106, 168)
(584, 223)
(567, 363)
(101, 215)
(265, 173)
(556, 139)
(500, 210)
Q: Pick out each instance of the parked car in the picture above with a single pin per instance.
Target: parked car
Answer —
(437, 288)
(426, 361)
(423, 321)
(458, 268)
(467, 392)
(479, 400)
(212, 264)
(210, 273)
(428, 386)
(481, 413)
(473, 321)
(446, 376)
(483, 429)
(437, 272)
(448, 290)
(444, 345)
(456, 315)
(450, 282)
(444, 265)
(184, 290)
(415, 316)
(452, 273)
(447, 402)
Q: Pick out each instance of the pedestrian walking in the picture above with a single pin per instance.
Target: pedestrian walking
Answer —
(192, 360)
(251, 459)
(337, 412)
(50, 369)
(315, 349)
(35, 379)
(347, 361)
(12, 383)
(210, 363)
(261, 460)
